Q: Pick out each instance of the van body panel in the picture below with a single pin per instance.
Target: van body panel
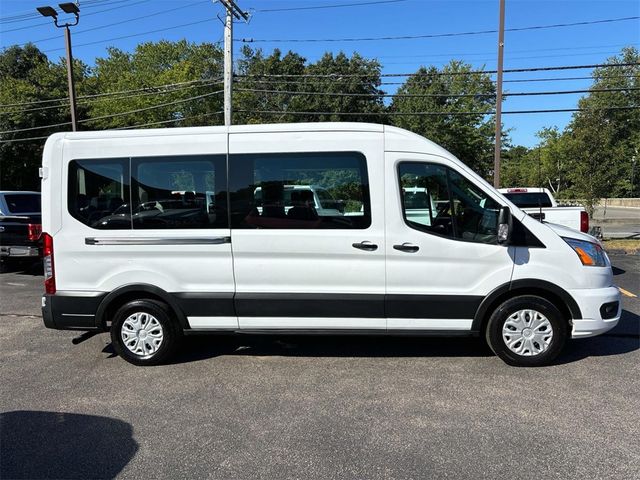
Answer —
(319, 261)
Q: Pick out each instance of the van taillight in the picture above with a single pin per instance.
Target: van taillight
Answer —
(584, 222)
(34, 230)
(49, 271)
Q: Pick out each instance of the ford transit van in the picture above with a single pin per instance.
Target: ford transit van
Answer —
(304, 228)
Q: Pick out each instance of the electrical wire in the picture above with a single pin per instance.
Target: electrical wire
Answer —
(100, 27)
(120, 114)
(105, 94)
(318, 7)
(435, 95)
(42, 21)
(428, 74)
(508, 112)
(435, 35)
(122, 37)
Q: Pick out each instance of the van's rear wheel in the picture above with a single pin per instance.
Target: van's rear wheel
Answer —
(144, 333)
(527, 331)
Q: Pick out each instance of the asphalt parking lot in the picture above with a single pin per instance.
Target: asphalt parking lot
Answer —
(314, 407)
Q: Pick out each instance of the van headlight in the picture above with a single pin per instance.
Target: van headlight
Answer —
(590, 254)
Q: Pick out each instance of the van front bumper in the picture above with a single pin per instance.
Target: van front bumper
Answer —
(601, 310)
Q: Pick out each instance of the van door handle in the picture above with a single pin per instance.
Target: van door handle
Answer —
(366, 245)
(407, 247)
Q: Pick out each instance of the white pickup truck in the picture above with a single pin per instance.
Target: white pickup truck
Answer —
(540, 204)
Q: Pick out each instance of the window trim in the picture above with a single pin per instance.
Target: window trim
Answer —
(447, 169)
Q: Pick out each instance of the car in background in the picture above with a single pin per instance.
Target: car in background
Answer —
(20, 225)
(540, 204)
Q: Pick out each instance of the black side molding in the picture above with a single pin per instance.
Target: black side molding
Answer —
(532, 285)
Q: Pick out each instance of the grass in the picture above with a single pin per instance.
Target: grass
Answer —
(629, 246)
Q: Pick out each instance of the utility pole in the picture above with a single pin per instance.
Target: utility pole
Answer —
(233, 11)
(70, 8)
(496, 161)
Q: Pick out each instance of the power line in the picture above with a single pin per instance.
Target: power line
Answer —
(114, 115)
(91, 98)
(42, 22)
(105, 94)
(160, 12)
(436, 95)
(525, 57)
(318, 7)
(279, 112)
(525, 80)
(436, 35)
(438, 73)
(132, 35)
(511, 112)
(453, 54)
(162, 122)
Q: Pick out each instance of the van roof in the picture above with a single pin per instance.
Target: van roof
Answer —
(396, 139)
(257, 128)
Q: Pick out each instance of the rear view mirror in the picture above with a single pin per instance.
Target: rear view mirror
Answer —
(505, 225)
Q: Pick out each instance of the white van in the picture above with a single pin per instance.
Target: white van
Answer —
(153, 234)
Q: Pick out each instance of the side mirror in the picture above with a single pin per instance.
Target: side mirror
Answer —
(505, 226)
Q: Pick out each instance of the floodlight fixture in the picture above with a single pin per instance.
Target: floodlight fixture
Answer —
(47, 12)
(70, 8)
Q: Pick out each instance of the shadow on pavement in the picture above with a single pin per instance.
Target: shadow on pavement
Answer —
(202, 347)
(38, 445)
(22, 267)
(196, 348)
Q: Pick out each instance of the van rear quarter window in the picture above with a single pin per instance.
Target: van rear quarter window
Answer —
(179, 192)
(186, 192)
(299, 191)
(98, 193)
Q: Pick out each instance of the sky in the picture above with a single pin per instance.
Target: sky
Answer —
(103, 22)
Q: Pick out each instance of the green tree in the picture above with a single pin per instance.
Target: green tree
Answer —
(335, 83)
(604, 136)
(459, 101)
(27, 75)
(196, 68)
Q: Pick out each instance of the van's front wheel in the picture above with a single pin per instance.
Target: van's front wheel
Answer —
(527, 331)
(143, 332)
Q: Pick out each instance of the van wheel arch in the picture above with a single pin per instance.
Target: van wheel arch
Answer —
(561, 299)
(116, 299)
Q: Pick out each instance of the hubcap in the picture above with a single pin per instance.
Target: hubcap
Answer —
(142, 334)
(527, 332)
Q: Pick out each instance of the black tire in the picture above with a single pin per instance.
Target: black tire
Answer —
(169, 329)
(497, 342)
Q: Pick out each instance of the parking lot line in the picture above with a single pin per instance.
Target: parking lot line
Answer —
(627, 293)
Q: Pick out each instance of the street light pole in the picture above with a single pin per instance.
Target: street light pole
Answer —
(70, 81)
(70, 8)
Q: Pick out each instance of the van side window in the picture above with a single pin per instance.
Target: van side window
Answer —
(179, 192)
(98, 193)
(439, 200)
(299, 191)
